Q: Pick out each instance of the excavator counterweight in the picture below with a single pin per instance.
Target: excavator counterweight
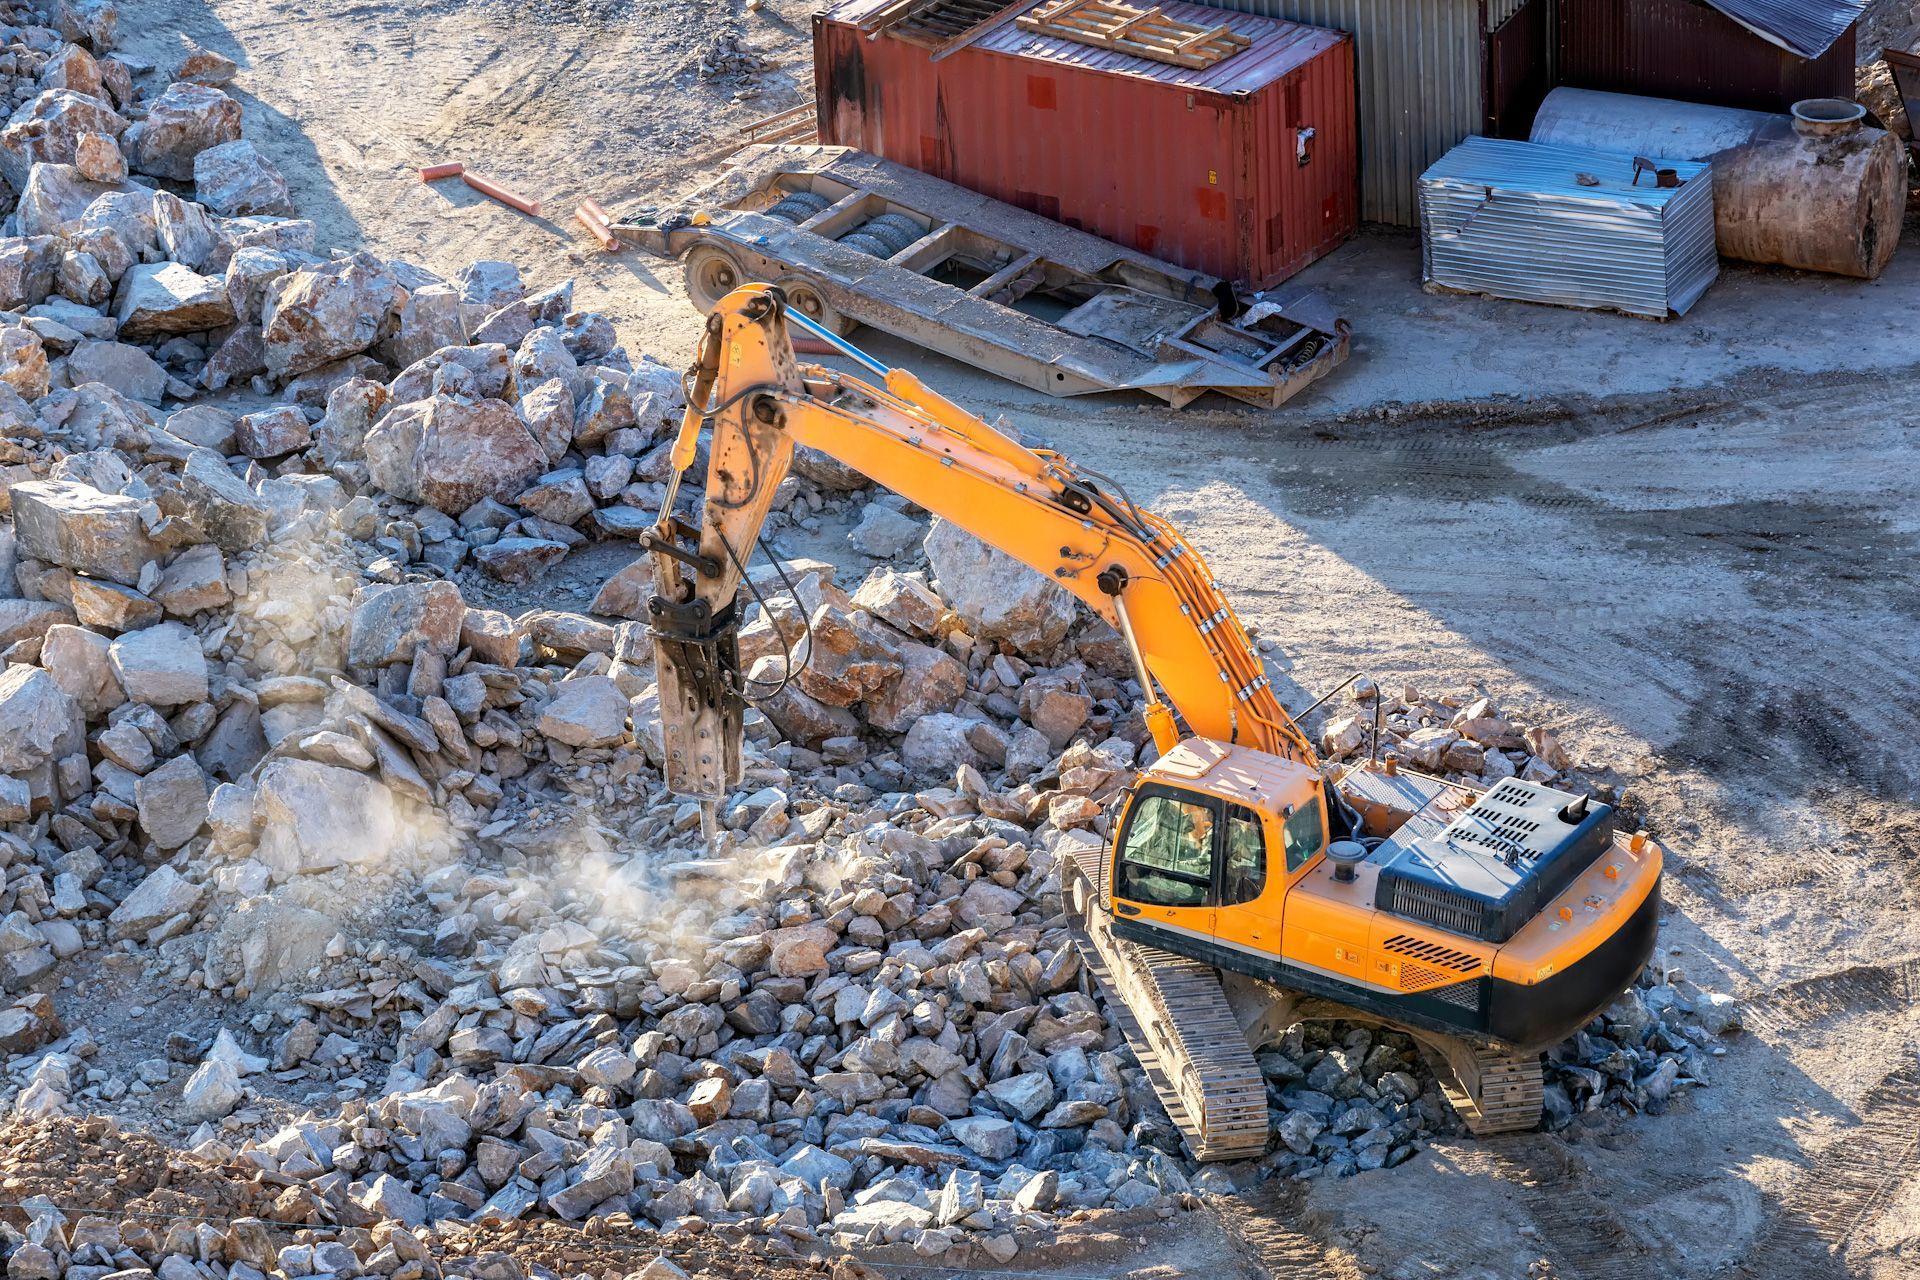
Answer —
(1246, 886)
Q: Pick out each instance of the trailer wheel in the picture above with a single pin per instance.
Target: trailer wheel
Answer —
(712, 273)
(804, 296)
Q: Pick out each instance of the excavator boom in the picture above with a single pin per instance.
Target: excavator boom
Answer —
(756, 403)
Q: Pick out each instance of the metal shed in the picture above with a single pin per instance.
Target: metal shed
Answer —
(1241, 166)
(1428, 73)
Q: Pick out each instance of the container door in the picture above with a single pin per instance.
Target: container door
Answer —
(1167, 861)
(1515, 71)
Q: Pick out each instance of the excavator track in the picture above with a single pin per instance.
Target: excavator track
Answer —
(1493, 1092)
(1177, 1021)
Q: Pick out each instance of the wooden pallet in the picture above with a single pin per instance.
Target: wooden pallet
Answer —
(1144, 33)
(934, 24)
(798, 125)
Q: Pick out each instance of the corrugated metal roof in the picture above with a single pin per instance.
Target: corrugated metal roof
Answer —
(1277, 47)
(1805, 27)
(1417, 64)
(1511, 219)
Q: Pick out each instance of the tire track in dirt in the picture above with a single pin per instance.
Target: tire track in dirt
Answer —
(1851, 1182)
(1260, 1223)
(1577, 1225)
(1859, 991)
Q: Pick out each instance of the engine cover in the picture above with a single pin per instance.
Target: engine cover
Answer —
(1485, 874)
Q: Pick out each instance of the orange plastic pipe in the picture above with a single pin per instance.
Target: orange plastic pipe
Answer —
(500, 193)
(451, 169)
(593, 206)
(596, 228)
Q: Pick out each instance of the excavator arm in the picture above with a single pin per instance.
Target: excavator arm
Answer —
(755, 402)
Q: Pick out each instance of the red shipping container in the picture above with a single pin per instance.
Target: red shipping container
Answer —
(1245, 169)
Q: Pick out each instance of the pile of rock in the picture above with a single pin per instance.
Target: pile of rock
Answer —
(1463, 740)
(57, 1242)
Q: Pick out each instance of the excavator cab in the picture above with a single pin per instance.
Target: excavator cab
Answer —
(1211, 839)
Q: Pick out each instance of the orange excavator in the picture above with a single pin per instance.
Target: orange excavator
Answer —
(1247, 886)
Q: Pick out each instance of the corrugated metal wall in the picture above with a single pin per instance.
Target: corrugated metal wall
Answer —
(1674, 49)
(1418, 67)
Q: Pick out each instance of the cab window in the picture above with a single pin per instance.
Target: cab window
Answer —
(1245, 872)
(1302, 835)
(1167, 857)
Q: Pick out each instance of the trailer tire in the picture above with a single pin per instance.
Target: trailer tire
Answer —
(711, 274)
(806, 297)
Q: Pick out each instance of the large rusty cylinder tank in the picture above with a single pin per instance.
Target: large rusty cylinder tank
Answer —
(1818, 190)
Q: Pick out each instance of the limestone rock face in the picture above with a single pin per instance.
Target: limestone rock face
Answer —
(23, 362)
(518, 561)
(352, 407)
(29, 267)
(57, 194)
(233, 179)
(929, 681)
(797, 714)
(181, 123)
(127, 369)
(172, 801)
(100, 159)
(161, 298)
(625, 594)
(316, 816)
(165, 893)
(272, 433)
(995, 596)
(161, 665)
(77, 659)
(215, 503)
(389, 624)
(905, 601)
(48, 130)
(586, 712)
(116, 225)
(78, 527)
(849, 658)
(319, 314)
(429, 320)
(451, 453)
(43, 722)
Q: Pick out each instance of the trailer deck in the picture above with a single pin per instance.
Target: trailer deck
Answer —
(858, 240)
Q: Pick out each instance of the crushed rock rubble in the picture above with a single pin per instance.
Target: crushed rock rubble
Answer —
(467, 962)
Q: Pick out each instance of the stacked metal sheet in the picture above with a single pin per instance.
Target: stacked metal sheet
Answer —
(1569, 226)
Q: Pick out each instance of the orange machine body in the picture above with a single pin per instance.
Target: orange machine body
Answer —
(1305, 928)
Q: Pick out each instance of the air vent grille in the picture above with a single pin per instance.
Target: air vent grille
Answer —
(1432, 953)
(1417, 977)
(1452, 911)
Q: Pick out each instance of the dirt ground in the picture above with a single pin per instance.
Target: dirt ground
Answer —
(1687, 547)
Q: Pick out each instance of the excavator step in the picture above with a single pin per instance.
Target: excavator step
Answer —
(1177, 1021)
